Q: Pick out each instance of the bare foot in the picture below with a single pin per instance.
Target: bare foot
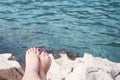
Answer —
(45, 61)
(32, 59)
(32, 65)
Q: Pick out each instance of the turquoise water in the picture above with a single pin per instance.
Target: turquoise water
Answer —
(91, 26)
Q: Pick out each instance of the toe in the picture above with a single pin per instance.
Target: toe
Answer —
(27, 52)
(47, 57)
(31, 50)
(38, 51)
(34, 49)
(44, 52)
(49, 61)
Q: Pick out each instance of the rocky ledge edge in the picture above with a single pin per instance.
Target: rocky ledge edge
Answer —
(64, 68)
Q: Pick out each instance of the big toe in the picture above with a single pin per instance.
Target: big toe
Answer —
(38, 51)
(44, 52)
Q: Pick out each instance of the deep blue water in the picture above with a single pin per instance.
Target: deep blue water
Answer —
(91, 26)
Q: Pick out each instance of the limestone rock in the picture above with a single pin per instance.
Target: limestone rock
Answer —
(86, 68)
(64, 68)
(10, 69)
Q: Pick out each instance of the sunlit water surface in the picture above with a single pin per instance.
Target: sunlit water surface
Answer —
(80, 26)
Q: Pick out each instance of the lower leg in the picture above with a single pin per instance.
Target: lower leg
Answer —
(31, 75)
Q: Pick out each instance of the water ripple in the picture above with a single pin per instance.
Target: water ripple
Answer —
(80, 26)
(114, 44)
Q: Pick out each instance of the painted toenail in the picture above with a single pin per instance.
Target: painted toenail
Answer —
(38, 49)
(45, 51)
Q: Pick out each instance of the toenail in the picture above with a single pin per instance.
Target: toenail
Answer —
(38, 49)
(45, 51)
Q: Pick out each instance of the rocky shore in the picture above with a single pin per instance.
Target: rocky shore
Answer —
(65, 67)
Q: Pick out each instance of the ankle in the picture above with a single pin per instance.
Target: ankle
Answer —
(31, 70)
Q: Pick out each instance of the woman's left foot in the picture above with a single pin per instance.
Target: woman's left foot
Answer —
(32, 65)
(32, 60)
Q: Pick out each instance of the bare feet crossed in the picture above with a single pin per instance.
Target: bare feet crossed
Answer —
(36, 65)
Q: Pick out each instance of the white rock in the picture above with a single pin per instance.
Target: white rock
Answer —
(86, 68)
(63, 68)
(10, 69)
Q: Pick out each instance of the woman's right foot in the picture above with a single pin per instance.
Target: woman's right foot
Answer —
(45, 61)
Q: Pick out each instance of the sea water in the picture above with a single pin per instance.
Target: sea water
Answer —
(80, 26)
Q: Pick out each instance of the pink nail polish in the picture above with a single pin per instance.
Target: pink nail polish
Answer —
(38, 49)
(45, 51)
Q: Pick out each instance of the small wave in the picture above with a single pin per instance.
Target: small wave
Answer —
(38, 23)
(42, 33)
(110, 34)
(9, 19)
(113, 44)
(45, 14)
(15, 28)
(1, 38)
